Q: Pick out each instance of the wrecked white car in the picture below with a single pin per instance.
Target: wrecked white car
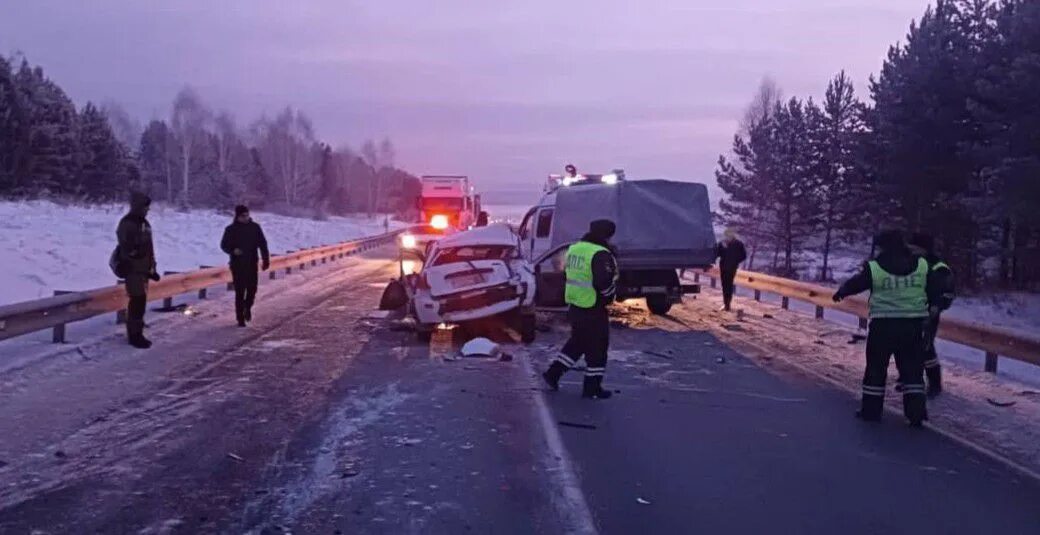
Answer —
(470, 276)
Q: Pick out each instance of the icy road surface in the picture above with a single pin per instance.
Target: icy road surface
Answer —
(324, 417)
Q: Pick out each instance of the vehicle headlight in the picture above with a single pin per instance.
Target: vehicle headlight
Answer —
(439, 222)
(408, 241)
(609, 179)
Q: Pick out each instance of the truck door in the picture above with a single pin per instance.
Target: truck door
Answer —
(526, 234)
(551, 278)
(542, 231)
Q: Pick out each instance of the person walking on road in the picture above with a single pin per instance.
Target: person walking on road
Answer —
(940, 298)
(899, 283)
(242, 239)
(591, 285)
(137, 262)
(731, 253)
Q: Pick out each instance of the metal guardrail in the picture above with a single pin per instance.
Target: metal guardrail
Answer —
(994, 341)
(67, 307)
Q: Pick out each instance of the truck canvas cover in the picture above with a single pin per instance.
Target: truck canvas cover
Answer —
(661, 224)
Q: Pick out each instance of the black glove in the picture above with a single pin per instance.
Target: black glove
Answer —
(266, 264)
(836, 298)
(154, 276)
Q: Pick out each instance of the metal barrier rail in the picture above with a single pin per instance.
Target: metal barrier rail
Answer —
(994, 341)
(66, 307)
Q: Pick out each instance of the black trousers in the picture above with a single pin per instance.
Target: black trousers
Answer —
(902, 338)
(245, 278)
(728, 276)
(590, 338)
(932, 369)
(135, 315)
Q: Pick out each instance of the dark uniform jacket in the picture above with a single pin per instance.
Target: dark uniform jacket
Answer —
(730, 256)
(247, 237)
(136, 252)
(943, 289)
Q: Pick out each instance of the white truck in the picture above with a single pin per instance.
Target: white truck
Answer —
(663, 226)
(448, 201)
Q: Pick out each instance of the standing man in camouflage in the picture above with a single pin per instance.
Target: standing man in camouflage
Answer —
(137, 259)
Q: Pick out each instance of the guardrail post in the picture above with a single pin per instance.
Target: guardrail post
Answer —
(314, 261)
(202, 291)
(167, 303)
(712, 279)
(819, 312)
(696, 277)
(758, 295)
(272, 274)
(785, 302)
(991, 362)
(863, 323)
(121, 313)
(58, 336)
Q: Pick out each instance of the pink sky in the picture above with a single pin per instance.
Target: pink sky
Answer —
(505, 91)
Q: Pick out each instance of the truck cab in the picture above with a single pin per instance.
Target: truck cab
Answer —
(448, 201)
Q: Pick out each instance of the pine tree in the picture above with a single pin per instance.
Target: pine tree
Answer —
(104, 165)
(835, 131)
(53, 142)
(14, 132)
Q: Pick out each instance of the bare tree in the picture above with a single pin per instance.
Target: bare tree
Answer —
(371, 156)
(227, 136)
(766, 98)
(189, 121)
(286, 144)
(126, 129)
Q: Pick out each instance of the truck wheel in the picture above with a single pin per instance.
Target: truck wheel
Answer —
(659, 305)
(528, 328)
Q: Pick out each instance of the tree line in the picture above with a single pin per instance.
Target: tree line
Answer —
(197, 157)
(948, 144)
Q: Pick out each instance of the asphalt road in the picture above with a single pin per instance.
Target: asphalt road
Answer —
(327, 418)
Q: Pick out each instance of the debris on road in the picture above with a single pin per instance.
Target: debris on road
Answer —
(577, 425)
(768, 316)
(641, 501)
(60, 454)
(480, 347)
(996, 403)
(235, 457)
(857, 338)
(656, 354)
(720, 360)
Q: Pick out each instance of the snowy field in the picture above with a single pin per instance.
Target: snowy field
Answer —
(47, 246)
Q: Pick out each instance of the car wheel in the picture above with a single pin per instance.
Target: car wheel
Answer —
(528, 328)
(424, 335)
(659, 305)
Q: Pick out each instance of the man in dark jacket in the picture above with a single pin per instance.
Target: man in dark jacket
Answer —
(591, 285)
(730, 252)
(941, 298)
(900, 284)
(137, 261)
(242, 239)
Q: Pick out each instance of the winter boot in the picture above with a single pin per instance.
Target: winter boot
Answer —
(593, 389)
(553, 374)
(934, 376)
(135, 335)
(248, 314)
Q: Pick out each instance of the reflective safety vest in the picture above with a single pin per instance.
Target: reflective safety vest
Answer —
(941, 265)
(579, 291)
(898, 296)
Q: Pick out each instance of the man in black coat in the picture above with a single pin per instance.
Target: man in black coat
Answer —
(137, 264)
(942, 293)
(242, 239)
(731, 253)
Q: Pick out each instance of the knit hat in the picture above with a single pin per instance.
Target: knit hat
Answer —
(603, 229)
(241, 209)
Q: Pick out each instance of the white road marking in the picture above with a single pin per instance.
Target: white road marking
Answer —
(572, 508)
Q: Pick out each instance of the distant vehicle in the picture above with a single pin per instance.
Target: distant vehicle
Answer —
(473, 275)
(663, 226)
(448, 201)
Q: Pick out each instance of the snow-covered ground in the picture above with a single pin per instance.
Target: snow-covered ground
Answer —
(47, 246)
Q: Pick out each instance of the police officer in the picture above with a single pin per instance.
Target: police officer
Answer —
(941, 297)
(137, 262)
(898, 282)
(242, 239)
(591, 284)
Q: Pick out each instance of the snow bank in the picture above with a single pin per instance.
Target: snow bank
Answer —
(47, 246)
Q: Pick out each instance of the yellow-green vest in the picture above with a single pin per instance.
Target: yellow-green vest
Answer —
(579, 291)
(898, 296)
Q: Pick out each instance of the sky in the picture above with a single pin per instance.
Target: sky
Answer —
(505, 91)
